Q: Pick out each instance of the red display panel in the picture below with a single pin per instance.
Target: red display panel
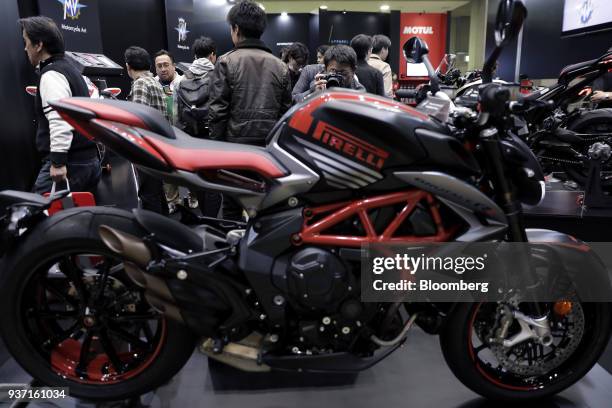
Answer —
(429, 27)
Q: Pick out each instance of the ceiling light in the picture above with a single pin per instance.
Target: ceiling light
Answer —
(284, 14)
(344, 12)
(261, 6)
(385, 7)
(323, 7)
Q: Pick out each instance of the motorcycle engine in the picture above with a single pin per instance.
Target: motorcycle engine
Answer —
(317, 280)
(323, 292)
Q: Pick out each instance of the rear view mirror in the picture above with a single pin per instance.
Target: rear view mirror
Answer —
(414, 50)
(510, 17)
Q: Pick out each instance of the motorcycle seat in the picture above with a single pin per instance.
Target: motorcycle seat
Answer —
(129, 113)
(10, 197)
(180, 150)
(570, 71)
(192, 154)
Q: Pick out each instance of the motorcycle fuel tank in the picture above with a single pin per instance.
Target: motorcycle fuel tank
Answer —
(351, 139)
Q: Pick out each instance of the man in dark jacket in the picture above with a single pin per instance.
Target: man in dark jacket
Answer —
(296, 58)
(370, 77)
(66, 153)
(250, 87)
(302, 87)
(340, 60)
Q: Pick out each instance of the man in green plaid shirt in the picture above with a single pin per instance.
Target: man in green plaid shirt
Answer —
(147, 91)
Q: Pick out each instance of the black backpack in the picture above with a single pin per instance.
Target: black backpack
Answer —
(192, 104)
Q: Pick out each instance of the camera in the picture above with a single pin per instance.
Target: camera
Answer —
(333, 80)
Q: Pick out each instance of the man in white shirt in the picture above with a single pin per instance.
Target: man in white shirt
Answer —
(165, 68)
(380, 52)
(65, 153)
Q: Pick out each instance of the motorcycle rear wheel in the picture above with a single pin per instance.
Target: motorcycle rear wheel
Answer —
(464, 359)
(112, 348)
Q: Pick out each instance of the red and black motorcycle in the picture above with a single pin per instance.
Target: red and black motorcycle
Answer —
(111, 303)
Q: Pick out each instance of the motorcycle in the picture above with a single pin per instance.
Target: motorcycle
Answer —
(111, 303)
(575, 142)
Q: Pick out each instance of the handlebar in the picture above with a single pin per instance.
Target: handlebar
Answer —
(406, 93)
(527, 104)
(493, 99)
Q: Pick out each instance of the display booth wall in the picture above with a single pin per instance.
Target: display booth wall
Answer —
(208, 17)
(284, 30)
(19, 163)
(431, 27)
(544, 52)
(126, 23)
(201, 17)
(542, 41)
(337, 27)
(78, 21)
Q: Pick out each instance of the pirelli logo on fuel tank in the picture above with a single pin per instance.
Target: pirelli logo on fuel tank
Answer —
(350, 145)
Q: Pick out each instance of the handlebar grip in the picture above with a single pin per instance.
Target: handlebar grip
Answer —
(526, 104)
(493, 99)
(406, 93)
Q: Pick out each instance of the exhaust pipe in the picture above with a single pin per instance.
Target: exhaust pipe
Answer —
(128, 246)
(136, 257)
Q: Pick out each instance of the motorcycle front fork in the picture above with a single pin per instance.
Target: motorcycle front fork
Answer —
(491, 145)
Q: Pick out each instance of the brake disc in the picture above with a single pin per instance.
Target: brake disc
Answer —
(531, 358)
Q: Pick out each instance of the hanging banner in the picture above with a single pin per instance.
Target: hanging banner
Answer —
(428, 27)
(79, 21)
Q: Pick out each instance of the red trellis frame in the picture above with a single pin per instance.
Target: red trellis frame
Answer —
(314, 234)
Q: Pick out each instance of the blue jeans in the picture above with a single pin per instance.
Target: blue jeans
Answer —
(83, 176)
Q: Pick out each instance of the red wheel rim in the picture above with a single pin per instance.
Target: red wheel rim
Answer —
(92, 327)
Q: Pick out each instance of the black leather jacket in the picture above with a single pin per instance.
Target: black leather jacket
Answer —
(250, 90)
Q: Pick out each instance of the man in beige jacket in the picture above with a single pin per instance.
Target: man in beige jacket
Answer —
(380, 52)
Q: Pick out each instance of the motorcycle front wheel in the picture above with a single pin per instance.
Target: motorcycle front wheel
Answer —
(528, 370)
(72, 318)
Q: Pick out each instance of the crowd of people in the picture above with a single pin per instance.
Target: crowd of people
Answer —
(236, 97)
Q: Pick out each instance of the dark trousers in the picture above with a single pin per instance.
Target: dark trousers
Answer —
(230, 209)
(82, 175)
(151, 193)
(217, 205)
(209, 202)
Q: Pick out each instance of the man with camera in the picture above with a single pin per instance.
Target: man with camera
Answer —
(339, 72)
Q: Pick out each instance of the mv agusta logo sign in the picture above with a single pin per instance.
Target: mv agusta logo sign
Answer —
(418, 30)
(72, 8)
(182, 30)
(586, 11)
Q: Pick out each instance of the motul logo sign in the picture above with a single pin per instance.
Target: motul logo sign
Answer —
(418, 30)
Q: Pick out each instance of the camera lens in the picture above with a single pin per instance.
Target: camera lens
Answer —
(334, 81)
